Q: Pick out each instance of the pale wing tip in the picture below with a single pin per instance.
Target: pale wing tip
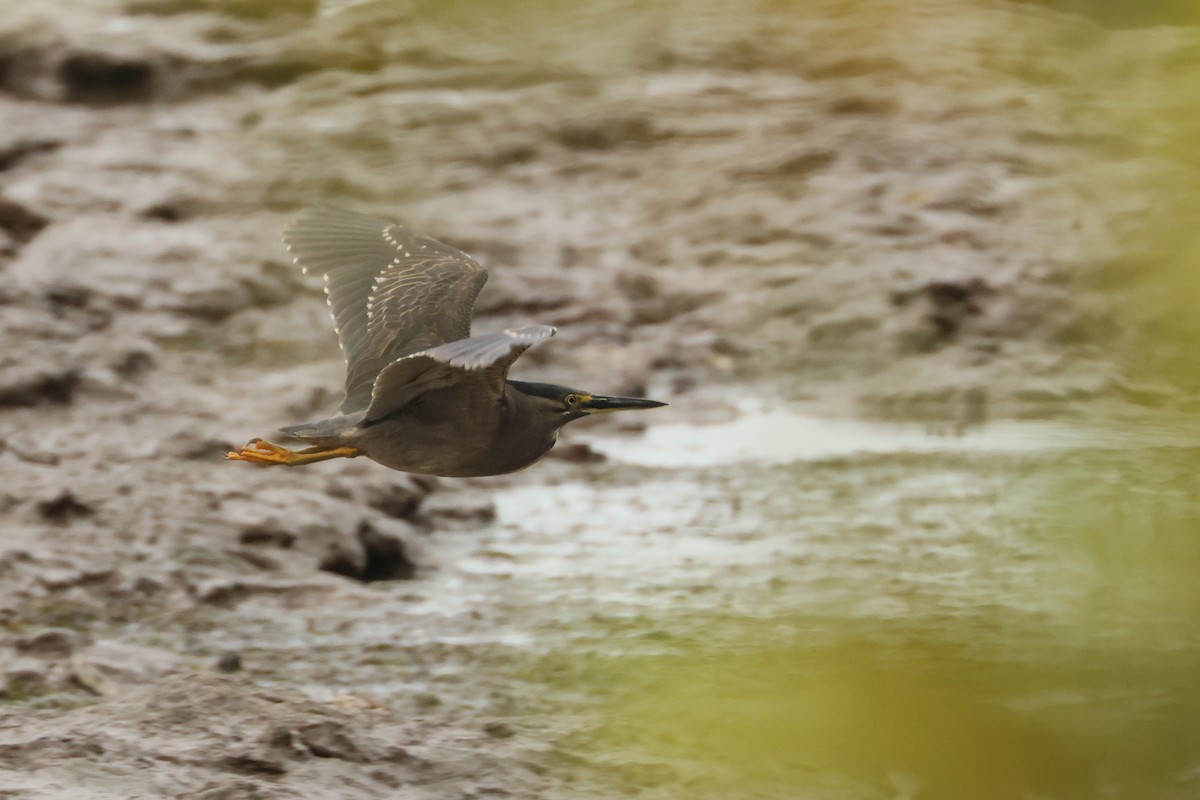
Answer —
(536, 332)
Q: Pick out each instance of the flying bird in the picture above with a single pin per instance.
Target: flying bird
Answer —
(422, 394)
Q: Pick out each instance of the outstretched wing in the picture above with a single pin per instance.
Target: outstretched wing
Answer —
(483, 360)
(390, 291)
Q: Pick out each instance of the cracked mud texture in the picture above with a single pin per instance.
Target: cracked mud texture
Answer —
(928, 210)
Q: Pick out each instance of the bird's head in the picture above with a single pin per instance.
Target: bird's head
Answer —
(562, 405)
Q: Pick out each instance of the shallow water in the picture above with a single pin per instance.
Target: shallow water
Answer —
(764, 432)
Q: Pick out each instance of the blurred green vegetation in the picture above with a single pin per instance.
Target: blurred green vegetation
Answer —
(1142, 90)
(856, 715)
(1131, 13)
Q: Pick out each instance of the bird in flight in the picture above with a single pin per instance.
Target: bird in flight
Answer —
(422, 394)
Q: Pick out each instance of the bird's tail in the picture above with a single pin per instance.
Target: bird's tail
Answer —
(323, 431)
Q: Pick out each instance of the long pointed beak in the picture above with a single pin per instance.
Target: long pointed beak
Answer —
(600, 404)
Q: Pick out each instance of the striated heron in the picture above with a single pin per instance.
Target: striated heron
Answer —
(422, 394)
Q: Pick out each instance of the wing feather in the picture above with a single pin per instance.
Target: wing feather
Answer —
(484, 359)
(390, 291)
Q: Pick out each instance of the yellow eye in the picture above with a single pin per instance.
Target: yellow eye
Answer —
(571, 400)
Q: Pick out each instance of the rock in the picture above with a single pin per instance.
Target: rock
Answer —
(166, 211)
(92, 678)
(459, 507)
(345, 560)
(269, 533)
(637, 286)
(61, 580)
(668, 306)
(24, 677)
(63, 508)
(330, 740)
(944, 306)
(98, 77)
(20, 222)
(799, 164)
(53, 643)
(31, 455)
(146, 586)
(858, 104)
(385, 556)
(607, 133)
(253, 763)
(273, 284)
(326, 531)
(110, 668)
(134, 362)
(380, 557)
(219, 592)
(13, 154)
(208, 301)
(509, 153)
(36, 384)
(398, 499)
(498, 730)
(256, 558)
(229, 661)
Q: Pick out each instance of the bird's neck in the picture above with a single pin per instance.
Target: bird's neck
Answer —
(522, 435)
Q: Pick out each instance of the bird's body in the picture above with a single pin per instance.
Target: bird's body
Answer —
(415, 439)
(422, 394)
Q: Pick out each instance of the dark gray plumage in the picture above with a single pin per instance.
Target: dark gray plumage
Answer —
(422, 394)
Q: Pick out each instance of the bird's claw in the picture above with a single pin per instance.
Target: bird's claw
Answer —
(258, 451)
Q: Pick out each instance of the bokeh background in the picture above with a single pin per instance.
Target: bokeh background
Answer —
(918, 279)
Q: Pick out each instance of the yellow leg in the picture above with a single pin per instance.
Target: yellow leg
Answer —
(256, 451)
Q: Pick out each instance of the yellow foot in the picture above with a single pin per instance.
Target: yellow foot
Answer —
(256, 451)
